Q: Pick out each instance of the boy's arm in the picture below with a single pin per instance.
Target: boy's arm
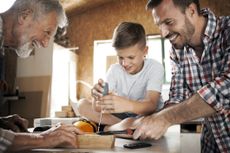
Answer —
(117, 104)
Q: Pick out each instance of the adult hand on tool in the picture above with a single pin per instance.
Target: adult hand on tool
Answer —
(66, 136)
(14, 123)
(58, 136)
(152, 126)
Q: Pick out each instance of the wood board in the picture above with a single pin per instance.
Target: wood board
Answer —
(94, 141)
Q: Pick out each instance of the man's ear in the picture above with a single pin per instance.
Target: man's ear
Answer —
(24, 15)
(191, 10)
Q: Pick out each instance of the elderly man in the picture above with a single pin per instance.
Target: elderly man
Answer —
(200, 58)
(30, 24)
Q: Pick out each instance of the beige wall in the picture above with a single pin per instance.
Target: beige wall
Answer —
(98, 24)
(36, 103)
(37, 84)
(34, 81)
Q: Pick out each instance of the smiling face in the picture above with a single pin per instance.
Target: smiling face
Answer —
(34, 32)
(132, 58)
(174, 25)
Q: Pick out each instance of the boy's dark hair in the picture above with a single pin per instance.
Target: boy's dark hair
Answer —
(182, 4)
(128, 34)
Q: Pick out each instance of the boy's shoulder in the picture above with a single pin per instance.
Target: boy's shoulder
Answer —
(153, 63)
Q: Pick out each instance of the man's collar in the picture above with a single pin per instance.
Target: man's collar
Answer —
(211, 23)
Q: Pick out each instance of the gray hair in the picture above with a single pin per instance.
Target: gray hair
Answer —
(42, 7)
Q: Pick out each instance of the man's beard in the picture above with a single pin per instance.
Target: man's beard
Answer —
(187, 33)
(24, 50)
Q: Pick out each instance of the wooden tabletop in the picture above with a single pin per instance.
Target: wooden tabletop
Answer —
(172, 142)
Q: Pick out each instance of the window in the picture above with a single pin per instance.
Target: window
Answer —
(5, 5)
(159, 50)
(102, 50)
(64, 76)
(105, 54)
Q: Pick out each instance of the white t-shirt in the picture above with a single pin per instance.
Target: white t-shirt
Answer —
(135, 86)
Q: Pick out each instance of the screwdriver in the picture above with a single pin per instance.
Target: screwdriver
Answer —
(126, 131)
(105, 92)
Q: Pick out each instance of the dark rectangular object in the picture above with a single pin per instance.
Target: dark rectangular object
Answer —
(137, 145)
(128, 131)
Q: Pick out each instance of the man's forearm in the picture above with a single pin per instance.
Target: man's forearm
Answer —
(24, 141)
(192, 108)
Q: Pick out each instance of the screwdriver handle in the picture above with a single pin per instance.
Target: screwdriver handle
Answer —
(106, 89)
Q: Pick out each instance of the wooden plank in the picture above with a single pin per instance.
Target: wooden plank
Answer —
(66, 108)
(94, 141)
(60, 114)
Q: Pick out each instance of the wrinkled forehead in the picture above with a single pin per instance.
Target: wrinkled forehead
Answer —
(49, 21)
(49, 18)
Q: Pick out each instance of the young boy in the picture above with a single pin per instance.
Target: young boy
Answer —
(134, 83)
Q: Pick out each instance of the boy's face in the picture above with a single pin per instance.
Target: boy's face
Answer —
(132, 58)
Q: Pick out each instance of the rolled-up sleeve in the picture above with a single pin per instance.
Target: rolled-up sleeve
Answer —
(178, 88)
(217, 92)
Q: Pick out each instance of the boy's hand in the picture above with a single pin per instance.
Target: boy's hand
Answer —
(114, 104)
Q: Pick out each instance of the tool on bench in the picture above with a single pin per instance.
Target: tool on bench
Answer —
(41, 128)
(127, 131)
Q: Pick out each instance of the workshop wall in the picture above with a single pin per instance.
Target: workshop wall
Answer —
(34, 81)
(99, 23)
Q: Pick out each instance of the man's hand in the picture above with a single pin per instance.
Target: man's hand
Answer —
(58, 136)
(153, 127)
(61, 136)
(14, 123)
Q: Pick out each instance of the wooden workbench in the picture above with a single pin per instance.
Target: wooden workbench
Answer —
(172, 142)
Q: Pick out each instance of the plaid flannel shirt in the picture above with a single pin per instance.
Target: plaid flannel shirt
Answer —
(210, 78)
